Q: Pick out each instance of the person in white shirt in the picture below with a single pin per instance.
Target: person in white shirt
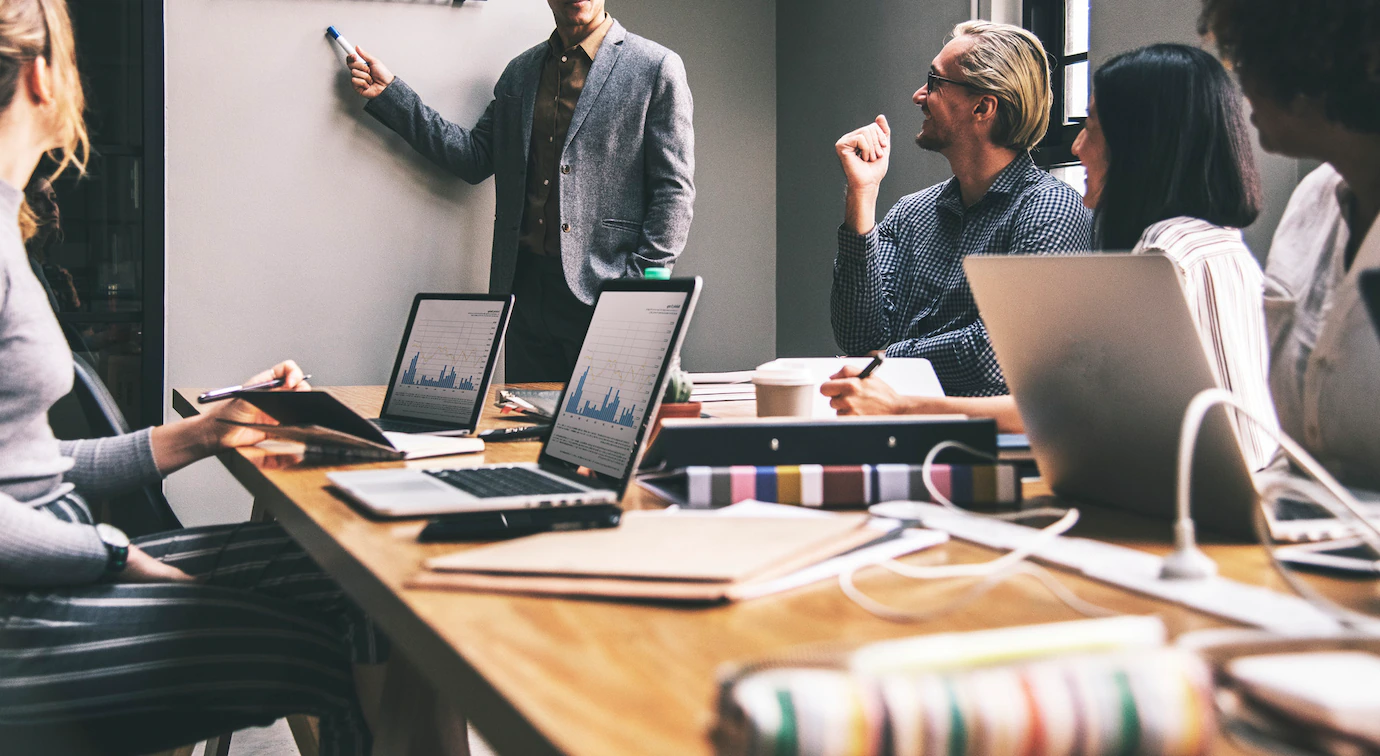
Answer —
(1170, 170)
(1318, 97)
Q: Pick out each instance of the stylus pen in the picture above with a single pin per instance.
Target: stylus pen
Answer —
(230, 391)
(876, 360)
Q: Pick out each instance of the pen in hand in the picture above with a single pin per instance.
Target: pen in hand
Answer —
(876, 360)
(230, 391)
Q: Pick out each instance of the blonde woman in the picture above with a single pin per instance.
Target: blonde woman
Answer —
(108, 646)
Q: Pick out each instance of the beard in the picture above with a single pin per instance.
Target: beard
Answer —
(930, 138)
(931, 141)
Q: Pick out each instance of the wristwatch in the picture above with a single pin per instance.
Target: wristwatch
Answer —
(116, 547)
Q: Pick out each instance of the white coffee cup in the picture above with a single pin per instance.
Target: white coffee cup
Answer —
(784, 392)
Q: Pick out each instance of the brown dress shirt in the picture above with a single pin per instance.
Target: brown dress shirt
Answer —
(562, 79)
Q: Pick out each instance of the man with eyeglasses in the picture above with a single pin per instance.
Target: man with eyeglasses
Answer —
(899, 285)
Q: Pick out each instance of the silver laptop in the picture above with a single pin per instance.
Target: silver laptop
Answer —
(600, 428)
(1103, 357)
(445, 362)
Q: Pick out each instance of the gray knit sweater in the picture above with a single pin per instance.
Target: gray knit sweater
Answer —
(35, 468)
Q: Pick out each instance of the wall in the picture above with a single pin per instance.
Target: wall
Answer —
(835, 72)
(729, 50)
(1120, 25)
(299, 227)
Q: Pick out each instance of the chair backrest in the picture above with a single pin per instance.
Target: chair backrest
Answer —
(90, 411)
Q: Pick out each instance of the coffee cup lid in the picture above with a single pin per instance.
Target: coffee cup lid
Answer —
(782, 376)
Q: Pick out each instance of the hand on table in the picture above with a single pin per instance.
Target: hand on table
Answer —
(368, 74)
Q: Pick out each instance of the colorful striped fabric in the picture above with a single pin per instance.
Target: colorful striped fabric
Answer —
(843, 486)
(1156, 703)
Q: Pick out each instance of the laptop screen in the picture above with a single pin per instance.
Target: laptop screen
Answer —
(602, 414)
(446, 358)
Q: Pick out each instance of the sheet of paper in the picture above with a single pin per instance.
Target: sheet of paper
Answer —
(419, 445)
(910, 376)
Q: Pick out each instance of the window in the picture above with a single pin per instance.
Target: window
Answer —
(1063, 27)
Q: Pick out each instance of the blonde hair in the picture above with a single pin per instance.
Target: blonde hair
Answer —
(32, 29)
(1010, 63)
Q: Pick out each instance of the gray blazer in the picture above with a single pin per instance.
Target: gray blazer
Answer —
(627, 166)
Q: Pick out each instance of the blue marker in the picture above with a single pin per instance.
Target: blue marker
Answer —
(344, 43)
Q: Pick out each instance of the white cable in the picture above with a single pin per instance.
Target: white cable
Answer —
(927, 467)
(993, 573)
(981, 588)
(1188, 441)
(922, 572)
(1340, 504)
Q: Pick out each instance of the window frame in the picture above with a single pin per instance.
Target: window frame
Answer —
(1047, 20)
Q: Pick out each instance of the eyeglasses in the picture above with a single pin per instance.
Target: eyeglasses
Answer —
(933, 77)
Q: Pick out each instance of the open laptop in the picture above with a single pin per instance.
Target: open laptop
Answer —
(601, 424)
(445, 362)
(1103, 358)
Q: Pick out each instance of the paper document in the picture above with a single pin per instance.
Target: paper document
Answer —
(909, 376)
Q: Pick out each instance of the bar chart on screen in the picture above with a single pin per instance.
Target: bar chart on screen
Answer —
(628, 343)
(449, 347)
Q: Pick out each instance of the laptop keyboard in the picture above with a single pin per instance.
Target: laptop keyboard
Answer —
(493, 482)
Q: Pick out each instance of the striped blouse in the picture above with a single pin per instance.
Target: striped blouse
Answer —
(1225, 290)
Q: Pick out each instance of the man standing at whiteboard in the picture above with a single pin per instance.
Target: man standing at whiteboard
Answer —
(590, 144)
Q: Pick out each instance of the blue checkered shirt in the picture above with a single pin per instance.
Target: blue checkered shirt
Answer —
(901, 286)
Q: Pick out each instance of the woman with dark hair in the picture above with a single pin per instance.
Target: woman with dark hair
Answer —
(1169, 171)
(1311, 71)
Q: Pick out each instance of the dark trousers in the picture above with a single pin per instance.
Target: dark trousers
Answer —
(548, 325)
(133, 668)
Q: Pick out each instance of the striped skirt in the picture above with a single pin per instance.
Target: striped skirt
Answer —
(135, 668)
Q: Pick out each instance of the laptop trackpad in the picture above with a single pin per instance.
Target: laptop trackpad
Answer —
(419, 490)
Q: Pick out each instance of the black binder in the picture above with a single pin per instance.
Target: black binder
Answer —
(810, 441)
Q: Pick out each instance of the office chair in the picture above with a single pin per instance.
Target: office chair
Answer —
(90, 411)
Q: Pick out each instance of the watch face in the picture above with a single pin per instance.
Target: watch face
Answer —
(116, 546)
(112, 536)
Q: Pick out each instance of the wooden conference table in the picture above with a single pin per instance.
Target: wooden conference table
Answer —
(543, 675)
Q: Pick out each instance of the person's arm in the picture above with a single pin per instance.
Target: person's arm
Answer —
(1225, 298)
(872, 396)
(669, 172)
(861, 300)
(37, 549)
(1052, 221)
(467, 153)
(860, 306)
(119, 463)
(962, 358)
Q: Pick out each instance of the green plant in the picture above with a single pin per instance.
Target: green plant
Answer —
(678, 385)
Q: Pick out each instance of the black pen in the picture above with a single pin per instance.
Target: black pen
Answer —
(876, 360)
(230, 391)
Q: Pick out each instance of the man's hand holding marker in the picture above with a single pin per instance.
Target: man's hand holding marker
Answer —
(368, 75)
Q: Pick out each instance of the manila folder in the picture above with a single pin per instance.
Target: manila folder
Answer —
(672, 555)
